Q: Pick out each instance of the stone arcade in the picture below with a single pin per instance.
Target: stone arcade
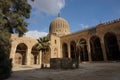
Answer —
(100, 43)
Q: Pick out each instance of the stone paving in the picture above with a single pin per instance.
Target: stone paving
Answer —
(87, 71)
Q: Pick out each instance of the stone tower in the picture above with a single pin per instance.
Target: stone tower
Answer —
(58, 27)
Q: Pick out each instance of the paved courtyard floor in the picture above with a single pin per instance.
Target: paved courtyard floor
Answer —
(87, 71)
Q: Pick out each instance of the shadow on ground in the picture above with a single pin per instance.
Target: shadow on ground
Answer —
(87, 71)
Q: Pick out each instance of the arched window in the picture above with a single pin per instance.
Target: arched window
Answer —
(55, 41)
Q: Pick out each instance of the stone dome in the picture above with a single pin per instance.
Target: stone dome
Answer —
(59, 27)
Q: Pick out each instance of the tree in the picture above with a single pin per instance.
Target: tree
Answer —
(12, 20)
(43, 45)
(79, 45)
(13, 14)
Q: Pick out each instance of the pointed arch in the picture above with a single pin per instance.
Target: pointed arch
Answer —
(34, 55)
(111, 45)
(20, 55)
(96, 50)
(65, 50)
(83, 50)
(72, 49)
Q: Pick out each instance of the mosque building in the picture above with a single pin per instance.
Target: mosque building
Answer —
(100, 43)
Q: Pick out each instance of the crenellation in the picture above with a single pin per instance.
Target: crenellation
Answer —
(112, 21)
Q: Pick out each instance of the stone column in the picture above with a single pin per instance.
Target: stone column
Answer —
(40, 58)
(103, 49)
(12, 54)
(28, 56)
(89, 51)
(69, 55)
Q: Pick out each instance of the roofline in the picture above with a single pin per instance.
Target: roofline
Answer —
(101, 24)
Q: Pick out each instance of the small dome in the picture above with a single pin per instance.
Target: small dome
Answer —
(59, 27)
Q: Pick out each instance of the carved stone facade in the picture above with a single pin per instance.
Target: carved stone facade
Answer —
(100, 43)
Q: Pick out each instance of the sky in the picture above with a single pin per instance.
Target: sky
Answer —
(80, 14)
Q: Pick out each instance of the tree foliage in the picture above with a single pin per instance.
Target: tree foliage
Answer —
(13, 14)
(43, 44)
(12, 20)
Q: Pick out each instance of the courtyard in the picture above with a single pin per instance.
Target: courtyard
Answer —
(86, 71)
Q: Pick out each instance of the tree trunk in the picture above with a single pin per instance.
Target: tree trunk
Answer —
(42, 64)
(77, 58)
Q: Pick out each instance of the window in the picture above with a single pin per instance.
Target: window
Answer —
(55, 41)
